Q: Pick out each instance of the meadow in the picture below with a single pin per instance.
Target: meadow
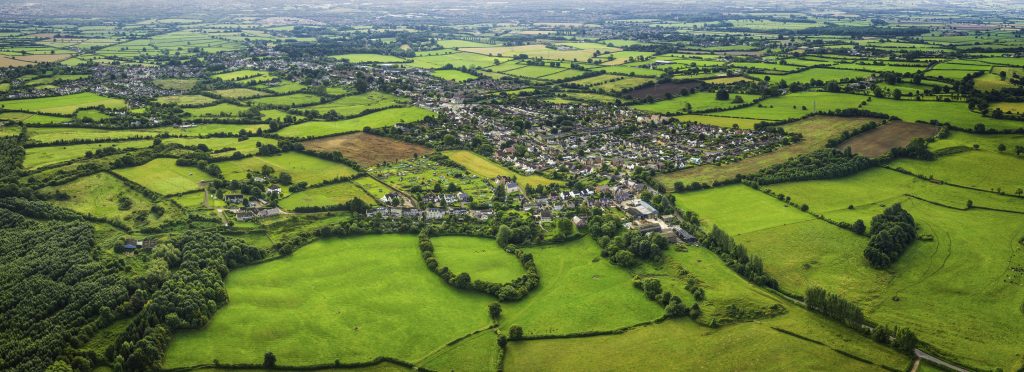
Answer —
(698, 102)
(163, 176)
(32, 118)
(454, 75)
(290, 100)
(480, 257)
(356, 104)
(62, 105)
(326, 196)
(976, 169)
(821, 74)
(488, 169)
(238, 93)
(719, 121)
(391, 306)
(100, 194)
(377, 119)
(368, 58)
(36, 157)
(302, 168)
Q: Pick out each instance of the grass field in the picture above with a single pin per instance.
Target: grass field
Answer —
(480, 257)
(391, 306)
(291, 100)
(816, 130)
(42, 156)
(538, 51)
(326, 196)
(377, 119)
(488, 169)
(162, 176)
(697, 101)
(222, 146)
(454, 75)
(719, 121)
(189, 100)
(354, 105)
(302, 168)
(879, 141)
(238, 93)
(966, 272)
(468, 60)
(369, 58)
(62, 105)
(31, 118)
(367, 149)
(574, 281)
(822, 74)
(219, 110)
(176, 84)
(978, 169)
(99, 194)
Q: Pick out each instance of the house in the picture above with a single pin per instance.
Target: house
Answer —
(434, 213)
(244, 215)
(269, 212)
(511, 186)
(545, 216)
(274, 189)
(234, 198)
(131, 244)
(579, 222)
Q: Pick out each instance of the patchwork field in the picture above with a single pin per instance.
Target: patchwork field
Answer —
(367, 149)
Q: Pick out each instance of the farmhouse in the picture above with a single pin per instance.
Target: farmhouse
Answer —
(638, 209)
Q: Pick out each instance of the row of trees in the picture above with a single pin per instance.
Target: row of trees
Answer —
(736, 257)
(890, 235)
(834, 306)
(510, 291)
(820, 164)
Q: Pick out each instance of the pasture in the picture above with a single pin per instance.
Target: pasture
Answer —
(238, 93)
(62, 105)
(696, 102)
(392, 306)
(368, 58)
(291, 100)
(480, 257)
(719, 121)
(367, 149)
(488, 169)
(302, 167)
(326, 196)
(379, 119)
(163, 176)
(454, 75)
(188, 100)
(357, 104)
(36, 157)
(100, 195)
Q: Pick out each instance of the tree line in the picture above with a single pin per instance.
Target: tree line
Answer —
(820, 164)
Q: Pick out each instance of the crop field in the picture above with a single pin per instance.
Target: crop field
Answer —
(164, 177)
(100, 195)
(377, 119)
(879, 141)
(357, 104)
(326, 196)
(367, 149)
(62, 105)
(302, 168)
(488, 169)
(454, 75)
(291, 100)
(410, 313)
(36, 157)
(480, 257)
(697, 102)
(816, 131)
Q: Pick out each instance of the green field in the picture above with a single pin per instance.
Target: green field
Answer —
(291, 100)
(189, 100)
(354, 105)
(984, 170)
(575, 281)
(719, 121)
(238, 93)
(326, 196)
(302, 168)
(225, 146)
(480, 257)
(454, 75)
(99, 195)
(488, 169)
(377, 119)
(42, 156)
(457, 60)
(162, 176)
(369, 58)
(62, 105)
(697, 101)
(389, 305)
(32, 118)
(219, 110)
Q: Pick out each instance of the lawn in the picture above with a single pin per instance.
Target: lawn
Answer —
(488, 169)
(578, 292)
(354, 105)
(816, 130)
(62, 105)
(389, 305)
(377, 119)
(480, 257)
(698, 102)
(326, 196)
(302, 168)
(162, 176)
(239, 75)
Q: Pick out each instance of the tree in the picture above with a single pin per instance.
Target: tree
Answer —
(515, 332)
(858, 227)
(1001, 147)
(504, 232)
(269, 360)
(722, 95)
(495, 310)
